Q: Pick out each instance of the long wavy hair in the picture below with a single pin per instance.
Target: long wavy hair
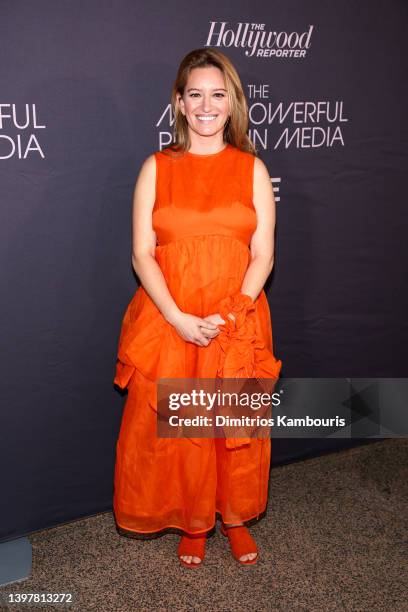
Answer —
(236, 127)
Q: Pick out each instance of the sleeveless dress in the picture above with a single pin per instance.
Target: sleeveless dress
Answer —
(204, 218)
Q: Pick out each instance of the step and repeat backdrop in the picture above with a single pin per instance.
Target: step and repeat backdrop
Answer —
(85, 98)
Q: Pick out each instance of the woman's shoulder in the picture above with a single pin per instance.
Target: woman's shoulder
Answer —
(252, 158)
(155, 163)
(147, 169)
(167, 152)
(244, 151)
(159, 156)
(151, 159)
(245, 156)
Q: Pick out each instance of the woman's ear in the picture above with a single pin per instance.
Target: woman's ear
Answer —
(180, 103)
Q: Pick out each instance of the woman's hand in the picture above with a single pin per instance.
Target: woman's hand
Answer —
(194, 329)
(215, 318)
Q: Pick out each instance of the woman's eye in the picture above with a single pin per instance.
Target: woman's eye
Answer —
(193, 95)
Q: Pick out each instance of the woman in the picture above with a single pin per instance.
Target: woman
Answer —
(203, 225)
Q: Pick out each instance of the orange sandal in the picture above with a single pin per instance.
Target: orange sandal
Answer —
(192, 546)
(241, 542)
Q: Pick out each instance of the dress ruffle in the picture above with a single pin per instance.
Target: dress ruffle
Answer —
(142, 337)
(149, 344)
(243, 353)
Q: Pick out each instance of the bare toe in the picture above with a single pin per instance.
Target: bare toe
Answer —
(248, 557)
(189, 559)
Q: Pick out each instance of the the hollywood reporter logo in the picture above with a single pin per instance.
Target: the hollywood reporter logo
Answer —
(259, 41)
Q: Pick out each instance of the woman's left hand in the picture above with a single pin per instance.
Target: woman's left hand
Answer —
(217, 320)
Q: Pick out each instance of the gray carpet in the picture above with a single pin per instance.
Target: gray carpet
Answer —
(334, 538)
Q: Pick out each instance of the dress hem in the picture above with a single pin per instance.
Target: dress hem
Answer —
(172, 529)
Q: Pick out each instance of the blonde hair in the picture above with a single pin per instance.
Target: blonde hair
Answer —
(236, 127)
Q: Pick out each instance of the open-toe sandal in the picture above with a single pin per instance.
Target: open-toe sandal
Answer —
(241, 543)
(192, 547)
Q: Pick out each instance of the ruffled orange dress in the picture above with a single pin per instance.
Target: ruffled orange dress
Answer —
(204, 218)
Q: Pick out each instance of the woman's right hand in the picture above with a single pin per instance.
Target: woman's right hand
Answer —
(190, 328)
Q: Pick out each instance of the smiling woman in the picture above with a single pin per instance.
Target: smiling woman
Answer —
(206, 105)
(203, 225)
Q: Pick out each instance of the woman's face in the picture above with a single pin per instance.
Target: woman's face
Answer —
(205, 101)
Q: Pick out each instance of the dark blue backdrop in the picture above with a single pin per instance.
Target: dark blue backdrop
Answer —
(85, 94)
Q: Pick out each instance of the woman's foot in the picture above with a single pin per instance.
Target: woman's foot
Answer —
(243, 546)
(191, 550)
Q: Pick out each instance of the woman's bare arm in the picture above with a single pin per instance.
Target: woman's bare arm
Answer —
(144, 241)
(262, 242)
(145, 263)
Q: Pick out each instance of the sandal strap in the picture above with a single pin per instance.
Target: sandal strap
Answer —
(194, 547)
(241, 541)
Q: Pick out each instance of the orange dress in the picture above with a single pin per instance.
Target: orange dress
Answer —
(204, 218)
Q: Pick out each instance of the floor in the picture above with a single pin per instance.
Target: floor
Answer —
(334, 538)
